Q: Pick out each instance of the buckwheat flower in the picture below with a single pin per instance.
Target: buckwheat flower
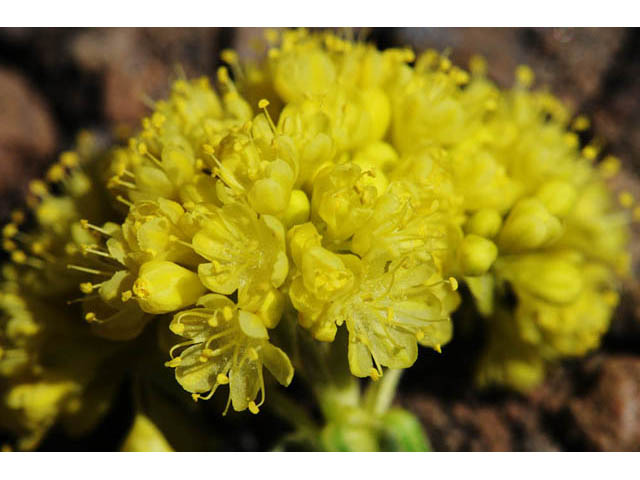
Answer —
(245, 253)
(35, 405)
(597, 227)
(388, 305)
(321, 277)
(257, 164)
(507, 359)
(330, 184)
(405, 220)
(158, 230)
(226, 345)
(394, 307)
(342, 201)
(20, 333)
(309, 128)
(575, 328)
(163, 160)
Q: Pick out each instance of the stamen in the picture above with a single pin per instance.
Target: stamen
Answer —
(88, 226)
(121, 199)
(179, 345)
(263, 104)
(88, 270)
(88, 287)
(253, 408)
(116, 181)
(173, 238)
(91, 318)
(91, 249)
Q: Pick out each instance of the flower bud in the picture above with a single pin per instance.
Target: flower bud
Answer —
(551, 278)
(301, 238)
(558, 197)
(297, 211)
(485, 223)
(529, 226)
(477, 255)
(144, 436)
(163, 287)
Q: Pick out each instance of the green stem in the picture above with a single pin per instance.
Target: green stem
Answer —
(336, 398)
(290, 411)
(380, 394)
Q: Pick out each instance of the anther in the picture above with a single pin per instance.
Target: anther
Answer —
(590, 152)
(580, 124)
(18, 256)
(174, 362)
(610, 166)
(10, 230)
(69, 159)
(626, 199)
(262, 105)
(17, 217)
(84, 223)
(91, 318)
(253, 408)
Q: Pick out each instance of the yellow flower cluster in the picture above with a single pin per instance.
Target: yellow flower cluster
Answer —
(348, 185)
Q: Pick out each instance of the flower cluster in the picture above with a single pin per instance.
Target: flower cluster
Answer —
(333, 185)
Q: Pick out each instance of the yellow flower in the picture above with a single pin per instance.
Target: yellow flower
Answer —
(19, 333)
(342, 201)
(394, 307)
(157, 230)
(227, 345)
(245, 253)
(259, 165)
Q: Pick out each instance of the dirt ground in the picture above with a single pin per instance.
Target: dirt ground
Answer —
(54, 82)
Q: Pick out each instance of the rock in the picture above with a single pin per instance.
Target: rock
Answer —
(137, 65)
(608, 415)
(28, 137)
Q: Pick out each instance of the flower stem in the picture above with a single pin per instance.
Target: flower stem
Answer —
(380, 394)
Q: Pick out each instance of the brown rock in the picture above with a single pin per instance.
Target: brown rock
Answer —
(582, 57)
(489, 431)
(28, 137)
(138, 64)
(609, 414)
(461, 427)
(26, 125)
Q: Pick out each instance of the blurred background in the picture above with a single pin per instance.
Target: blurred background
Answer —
(54, 82)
